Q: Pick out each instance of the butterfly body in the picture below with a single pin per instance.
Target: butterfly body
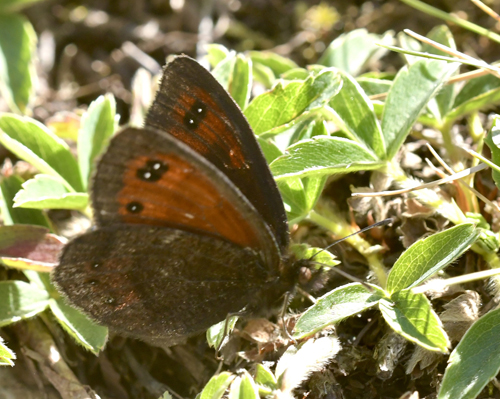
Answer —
(190, 223)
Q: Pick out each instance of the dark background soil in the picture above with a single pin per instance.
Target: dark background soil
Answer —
(85, 51)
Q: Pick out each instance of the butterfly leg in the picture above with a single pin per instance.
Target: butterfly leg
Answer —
(286, 300)
(226, 329)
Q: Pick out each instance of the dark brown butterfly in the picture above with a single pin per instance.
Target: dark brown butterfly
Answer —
(190, 223)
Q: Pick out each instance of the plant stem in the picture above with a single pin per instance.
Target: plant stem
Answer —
(445, 130)
(435, 12)
(456, 280)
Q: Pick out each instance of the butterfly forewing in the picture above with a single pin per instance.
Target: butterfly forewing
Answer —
(193, 107)
(148, 177)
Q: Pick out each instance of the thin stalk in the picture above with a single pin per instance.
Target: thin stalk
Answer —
(451, 149)
(440, 284)
(490, 256)
(436, 12)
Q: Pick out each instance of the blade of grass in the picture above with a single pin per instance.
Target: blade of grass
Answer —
(459, 175)
(436, 12)
(478, 64)
(486, 9)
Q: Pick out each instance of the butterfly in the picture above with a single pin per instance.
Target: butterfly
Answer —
(190, 225)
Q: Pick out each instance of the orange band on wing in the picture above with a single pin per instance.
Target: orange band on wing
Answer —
(167, 190)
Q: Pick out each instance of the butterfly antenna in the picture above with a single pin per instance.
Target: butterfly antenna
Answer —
(347, 276)
(378, 224)
(341, 272)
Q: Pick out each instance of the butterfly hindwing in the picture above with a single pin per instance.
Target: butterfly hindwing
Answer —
(158, 284)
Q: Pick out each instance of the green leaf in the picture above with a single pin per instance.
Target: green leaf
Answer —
(97, 126)
(222, 72)
(322, 156)
(440, 34)
(41, 280)
(300, 195)
(304, 251)
(428, 256)
(410, 93)
(6, 355)
(377, 75)
(243, 387)
(217, 385)
(270, 150)
(166, 395)
(216, 333)
(372, 86)
(410, 44)
(85, 332)
(20, 300)
(411, 316)
(275, 62)
(305, 128)
(286, 103)
(264, 377)
(47, 192)
(492, 140)
(477, 94)
(351, 52)
(9, 6)
(475, 361)
(296, 74)
(25, 246)
(475, 88)
(17, 70)
(10, 186)
(216, 53)
(37, 145)
(317, 127)
(263, 75)
(354, 114)
(240, 84)
(442, 103)
(336, 306)
(378, 107)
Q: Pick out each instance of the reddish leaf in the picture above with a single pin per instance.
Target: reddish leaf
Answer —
(30, 247)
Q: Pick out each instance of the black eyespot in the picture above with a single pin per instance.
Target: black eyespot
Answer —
(92, 282)
(195, 115)
(153, 171)
(134, 207)
(110, 300)
(96, 265)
